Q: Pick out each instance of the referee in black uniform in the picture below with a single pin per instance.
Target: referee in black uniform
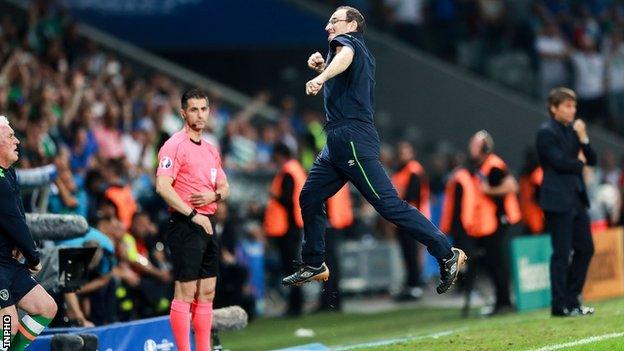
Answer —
(17, 286)
(352, 153)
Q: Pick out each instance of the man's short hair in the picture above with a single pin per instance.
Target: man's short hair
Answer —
(558, 95)
(4, 121)
(282, 150)
(354, 14)
(193, 94)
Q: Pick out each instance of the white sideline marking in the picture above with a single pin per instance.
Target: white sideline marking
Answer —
(580, 342)
(396, 341)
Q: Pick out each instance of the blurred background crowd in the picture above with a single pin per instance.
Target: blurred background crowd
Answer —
(100, 119)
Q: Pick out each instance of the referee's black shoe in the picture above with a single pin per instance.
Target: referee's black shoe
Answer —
(307, 274)
(449, 269)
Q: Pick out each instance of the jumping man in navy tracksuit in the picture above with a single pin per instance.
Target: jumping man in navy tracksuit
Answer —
(352, 153)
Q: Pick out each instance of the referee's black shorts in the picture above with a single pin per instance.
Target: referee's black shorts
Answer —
(194, 253)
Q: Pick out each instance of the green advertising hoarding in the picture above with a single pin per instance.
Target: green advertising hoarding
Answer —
(530, 265)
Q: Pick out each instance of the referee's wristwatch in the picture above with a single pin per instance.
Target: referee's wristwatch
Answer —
(192, 214)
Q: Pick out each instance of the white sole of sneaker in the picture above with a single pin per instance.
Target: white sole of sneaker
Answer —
(463, 258)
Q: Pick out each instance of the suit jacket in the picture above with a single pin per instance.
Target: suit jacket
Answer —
(558, 147)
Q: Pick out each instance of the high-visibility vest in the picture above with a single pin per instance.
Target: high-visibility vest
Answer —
(532, 214)
(401, 181)
(339, 209)
(486, 220)
(276, 215)
(460, 177)
(122, 197)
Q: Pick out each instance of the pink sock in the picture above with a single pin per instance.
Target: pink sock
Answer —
(202, 324)
(179, 316)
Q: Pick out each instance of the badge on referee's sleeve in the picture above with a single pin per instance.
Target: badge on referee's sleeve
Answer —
(213, 175)
(165, 163)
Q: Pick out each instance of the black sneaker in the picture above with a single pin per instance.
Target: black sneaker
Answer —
(449, 269)
(410, 294)
(216, 341)
(306, 274)
(583, 310)
(565, 312)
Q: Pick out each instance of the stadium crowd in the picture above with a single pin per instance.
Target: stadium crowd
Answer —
(101, 119)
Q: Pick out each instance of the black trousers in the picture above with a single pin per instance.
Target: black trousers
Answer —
(331, 299)
(352, 155)
(573, 248)
(492, 252)
(411, 259)
(289, 247)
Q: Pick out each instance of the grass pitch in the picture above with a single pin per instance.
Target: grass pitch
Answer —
(439, 329)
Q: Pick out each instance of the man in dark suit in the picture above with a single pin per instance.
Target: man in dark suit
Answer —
(563, 198)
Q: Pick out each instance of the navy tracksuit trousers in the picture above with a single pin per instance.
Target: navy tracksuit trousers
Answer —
(352, 155)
